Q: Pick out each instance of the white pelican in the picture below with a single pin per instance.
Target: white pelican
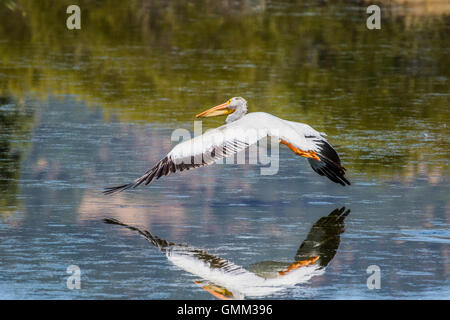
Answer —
(241, 131)
(227, 280)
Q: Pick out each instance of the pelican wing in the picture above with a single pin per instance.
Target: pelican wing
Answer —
(329, 163)
(200, 151)
(236, 136)
(321, 155)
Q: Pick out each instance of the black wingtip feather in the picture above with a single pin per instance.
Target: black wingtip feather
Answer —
(111, 190)
(163, 168)
(329, 164)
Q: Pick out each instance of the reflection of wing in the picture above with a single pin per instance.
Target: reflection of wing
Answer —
(324, 237)
(320, 245)
(226, 280)
(161, 244)
(219, 271)
(176, 251)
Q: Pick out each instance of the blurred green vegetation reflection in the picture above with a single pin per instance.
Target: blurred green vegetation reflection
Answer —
(15, 125)
(382, 96)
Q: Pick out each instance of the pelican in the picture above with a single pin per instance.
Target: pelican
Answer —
(242, 130)
(227, 280)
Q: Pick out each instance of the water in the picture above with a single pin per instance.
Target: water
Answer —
(93, 108)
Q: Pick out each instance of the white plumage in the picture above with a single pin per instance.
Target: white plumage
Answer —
(246, 131)
(241, 131)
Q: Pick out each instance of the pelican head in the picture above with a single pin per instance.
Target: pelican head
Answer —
(236, 108)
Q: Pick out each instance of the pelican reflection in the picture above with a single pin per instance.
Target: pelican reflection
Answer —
(226, 280)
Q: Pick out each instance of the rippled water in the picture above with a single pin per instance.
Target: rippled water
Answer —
(82, 111)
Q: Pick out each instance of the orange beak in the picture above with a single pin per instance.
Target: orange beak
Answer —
(219, 110)
(217, 291)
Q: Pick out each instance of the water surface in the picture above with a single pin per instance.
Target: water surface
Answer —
(81, 110)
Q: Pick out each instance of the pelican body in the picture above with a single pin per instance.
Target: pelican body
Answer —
(242, 130)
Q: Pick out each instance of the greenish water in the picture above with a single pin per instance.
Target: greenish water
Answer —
(85, 109)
